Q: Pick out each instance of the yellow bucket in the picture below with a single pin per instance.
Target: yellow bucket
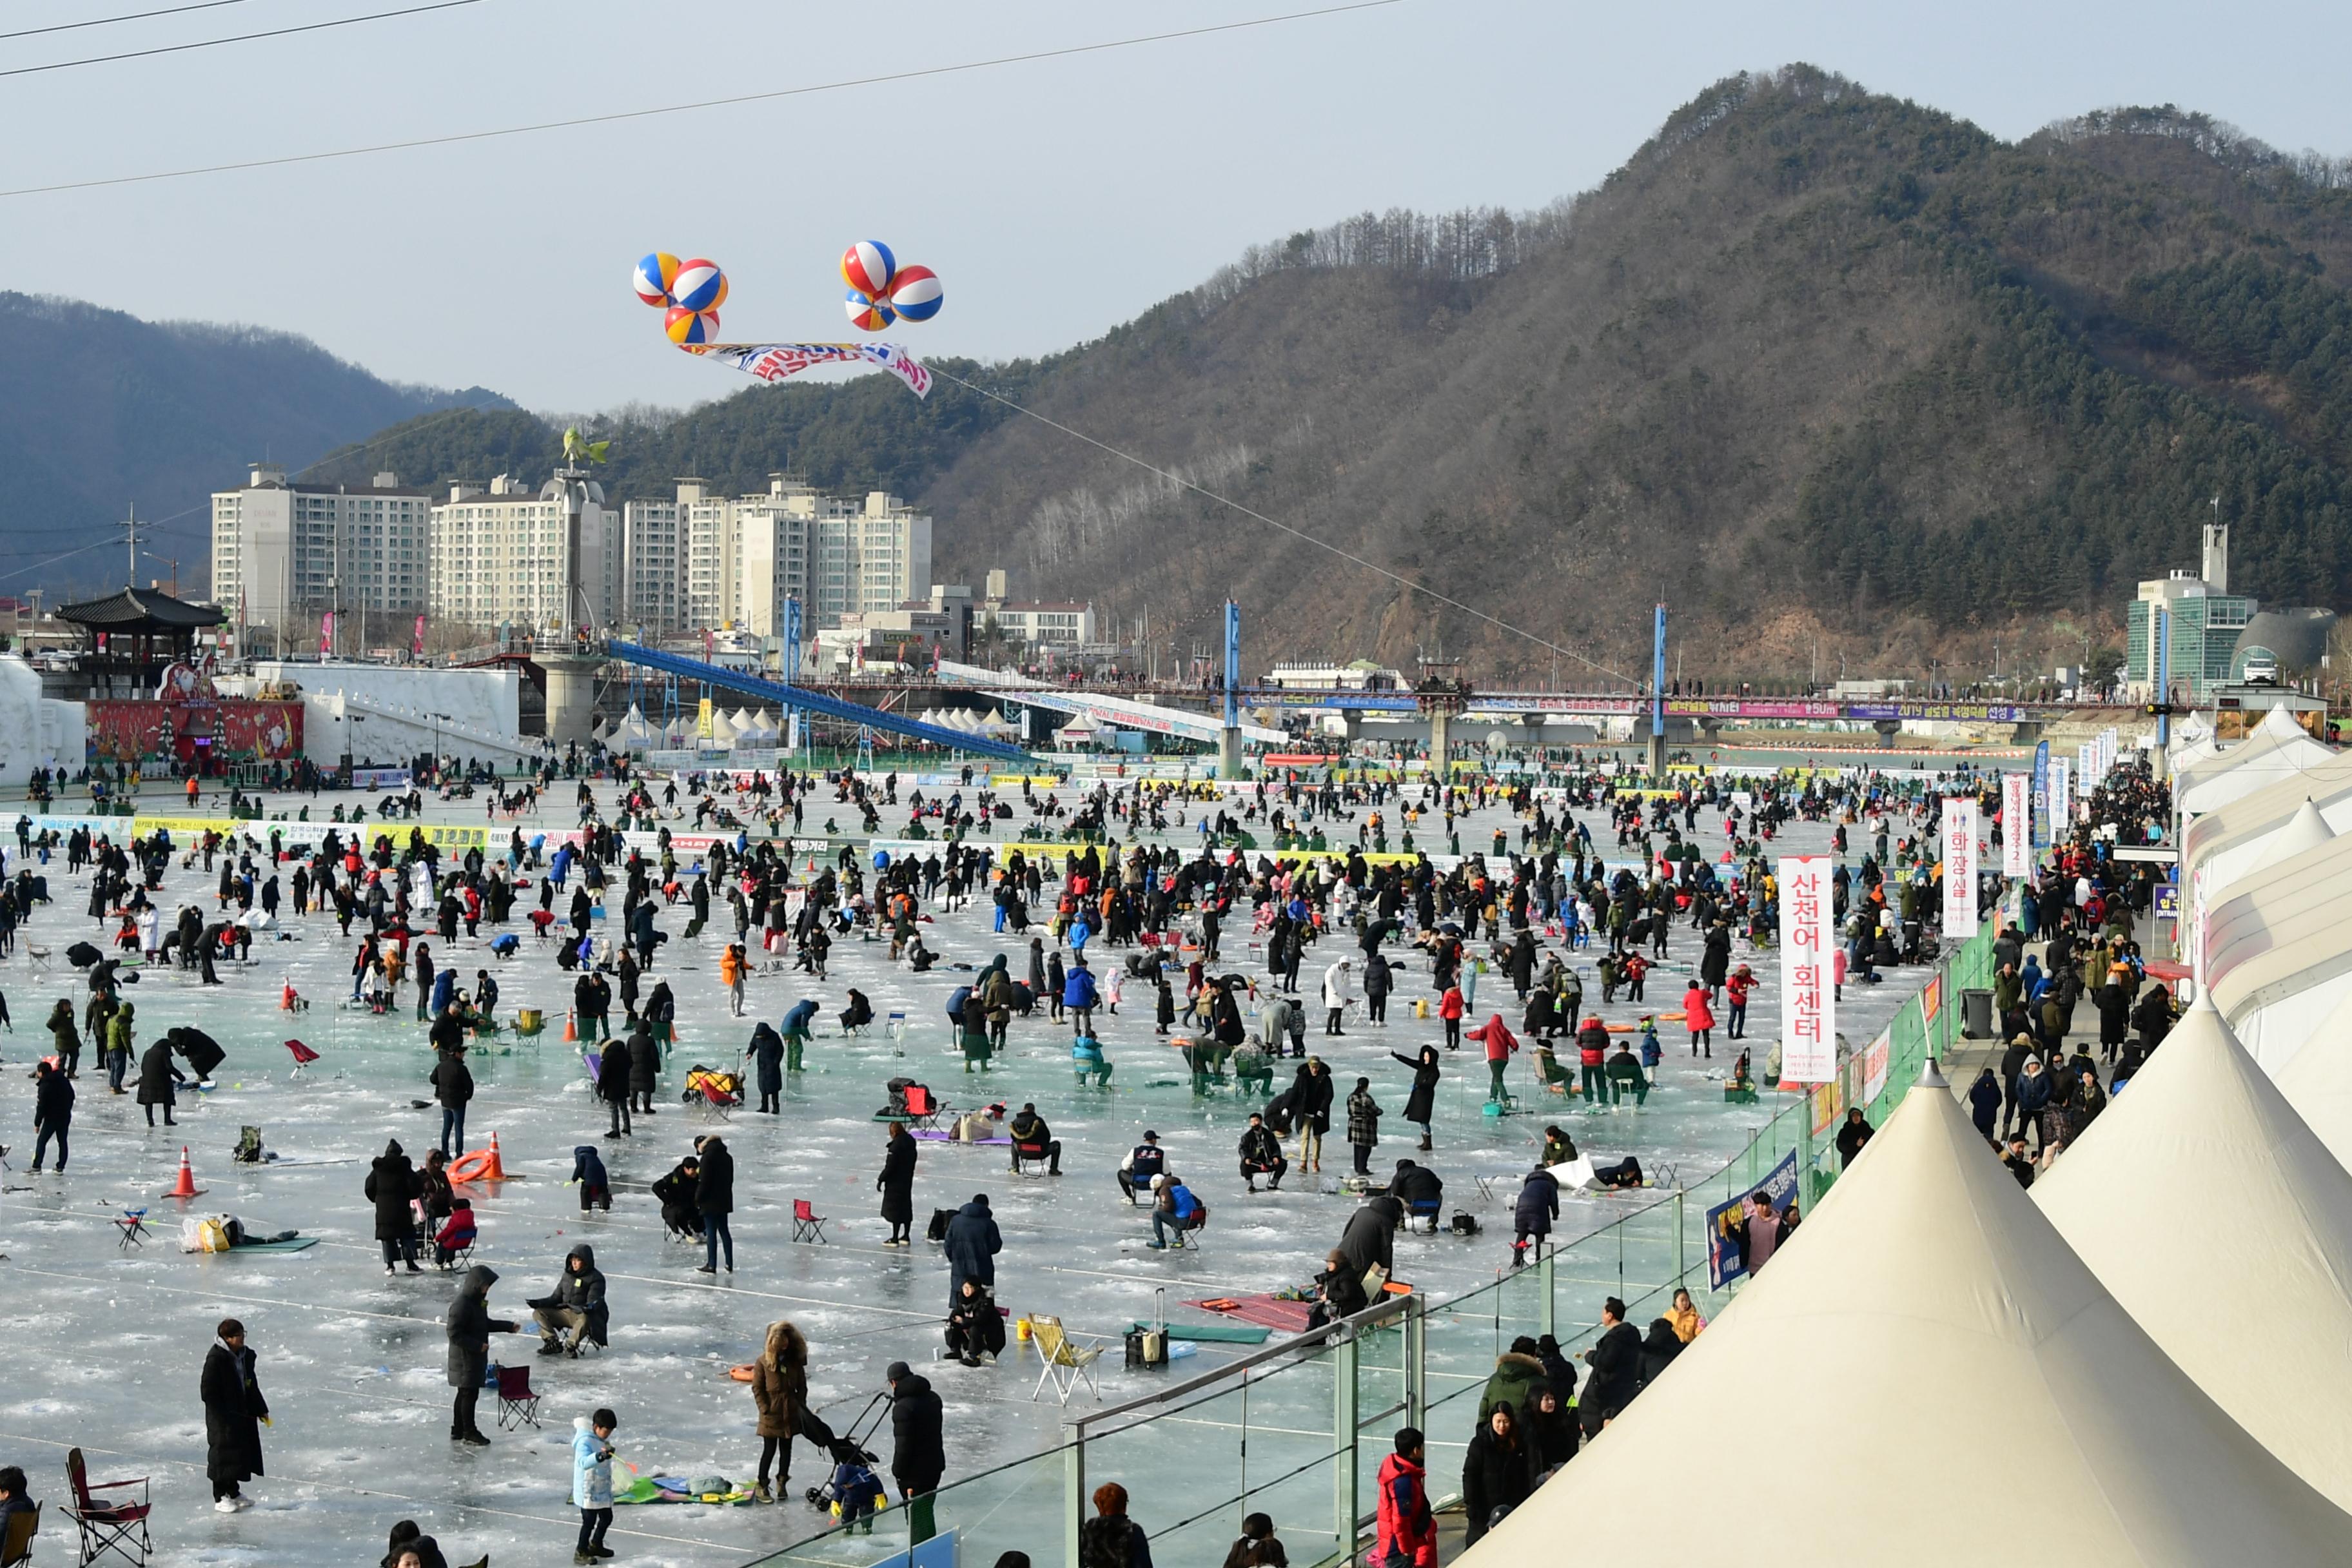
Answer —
(530, 1021)
(1021, 1328)
(1421, 1007)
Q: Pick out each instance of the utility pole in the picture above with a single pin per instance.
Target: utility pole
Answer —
(129, 526)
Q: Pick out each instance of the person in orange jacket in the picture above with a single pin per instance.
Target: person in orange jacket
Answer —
(732, 965)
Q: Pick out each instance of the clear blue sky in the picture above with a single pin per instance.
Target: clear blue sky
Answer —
(1054, 199)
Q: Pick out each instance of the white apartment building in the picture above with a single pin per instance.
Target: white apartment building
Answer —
(502, 555)
(654, 563)
(1038, 622)
(284, 551)
(745, 555)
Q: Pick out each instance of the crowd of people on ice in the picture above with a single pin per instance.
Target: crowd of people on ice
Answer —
(1096, 927)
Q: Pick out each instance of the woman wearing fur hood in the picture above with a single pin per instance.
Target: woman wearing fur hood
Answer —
(779, 1388)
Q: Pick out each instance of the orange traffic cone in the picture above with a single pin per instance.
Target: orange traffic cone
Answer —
(186, 1187)
(571, 1024)
(495, 1171)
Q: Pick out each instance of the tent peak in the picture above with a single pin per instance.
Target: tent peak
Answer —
(1931, 1074)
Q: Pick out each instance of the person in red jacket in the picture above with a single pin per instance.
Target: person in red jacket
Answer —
(1699, 1019)
(1407, 1536)
(1738, 988)
(1591, 1050)
(1500, 1043)
(1636, 966)
(1450, 1007)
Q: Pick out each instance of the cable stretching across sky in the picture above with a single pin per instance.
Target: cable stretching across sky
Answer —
(620, 115)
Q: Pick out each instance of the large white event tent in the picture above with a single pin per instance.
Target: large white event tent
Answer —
(2202, 1145)
(2219, 846)
(2277, 952)
(2318, 1082)
(1930, 1338)
(2279, 748)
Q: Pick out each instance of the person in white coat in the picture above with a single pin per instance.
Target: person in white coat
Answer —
(1335, 996)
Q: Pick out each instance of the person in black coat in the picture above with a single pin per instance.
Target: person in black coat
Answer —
(1984, 1104)
(468, 1328)
(767, 1053)
(1659, 1351)
(1371, 1235)
(918, 1455)
(1497, 1472)
(1532, 1213)
(645, 1065)
(234, 1411)
(392, 1186)
(53, 1099)
(972, 1242)
(1616, 1359)
(714, 1200)
(156, 1076)
(1339, 1291)
(453, 1086)
(1421, 1105)
(896, 1186)
(613, 1084)
(675, 1192)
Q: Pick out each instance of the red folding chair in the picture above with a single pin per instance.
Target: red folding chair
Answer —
(518, 1402)
(303, 1054)
(922, 1105)
(117, 1527)
(807, 1223)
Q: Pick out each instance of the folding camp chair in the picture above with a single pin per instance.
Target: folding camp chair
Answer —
(516, 1402)
(117, 1527)
(923, 1107)
(16, 1539)
(40, 956)
(807, 1223)
(1025, 1154)
(134, 1228)
(1067, 1364)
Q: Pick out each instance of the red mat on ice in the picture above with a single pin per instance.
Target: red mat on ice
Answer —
(1268, 1311)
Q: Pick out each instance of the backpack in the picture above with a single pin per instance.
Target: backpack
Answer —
(1465, 1223)
(938, 1229)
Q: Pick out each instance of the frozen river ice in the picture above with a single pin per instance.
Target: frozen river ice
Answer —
(106, 1342)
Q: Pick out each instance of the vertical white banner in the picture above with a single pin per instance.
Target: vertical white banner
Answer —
(2062, 799)
(2087, 769)
(1808, 970)
(2016, 824)
(1959, 847)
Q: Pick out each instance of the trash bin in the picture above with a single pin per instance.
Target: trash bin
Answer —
(1976, 1013)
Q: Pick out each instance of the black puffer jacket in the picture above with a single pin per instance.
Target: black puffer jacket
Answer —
(918, 1455)
(392, 1183)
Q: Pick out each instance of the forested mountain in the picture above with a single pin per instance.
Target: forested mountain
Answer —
(1820, 368)
(100, 411)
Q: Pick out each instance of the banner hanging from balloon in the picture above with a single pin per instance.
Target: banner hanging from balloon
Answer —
(775, 361)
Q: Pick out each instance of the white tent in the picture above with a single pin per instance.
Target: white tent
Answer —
(2318, 1082)
(2279, 748)
(1930, 1342)
(2217, 849)
(2258, 1309)
(2277, 952)
(764, 730)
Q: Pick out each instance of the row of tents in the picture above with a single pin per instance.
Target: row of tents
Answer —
(2146, 1358)
(763, 730)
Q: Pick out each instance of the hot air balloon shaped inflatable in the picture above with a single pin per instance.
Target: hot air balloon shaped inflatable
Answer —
(689, 292)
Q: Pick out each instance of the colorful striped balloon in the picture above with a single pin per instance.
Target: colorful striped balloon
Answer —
(915, 294)
(868, 267)
(699, 286)
(867, 313)
(655, 275)
(685, 326)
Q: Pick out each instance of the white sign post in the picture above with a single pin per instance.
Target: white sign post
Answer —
(1808, 970)
(1960, 868)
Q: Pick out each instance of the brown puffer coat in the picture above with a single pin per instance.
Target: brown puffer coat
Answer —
(780, 1381)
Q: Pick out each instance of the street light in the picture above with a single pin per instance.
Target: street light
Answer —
(438, 720)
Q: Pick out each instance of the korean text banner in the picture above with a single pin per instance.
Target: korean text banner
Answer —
(2016, 824)
(1808, 972)
(1959, 837)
